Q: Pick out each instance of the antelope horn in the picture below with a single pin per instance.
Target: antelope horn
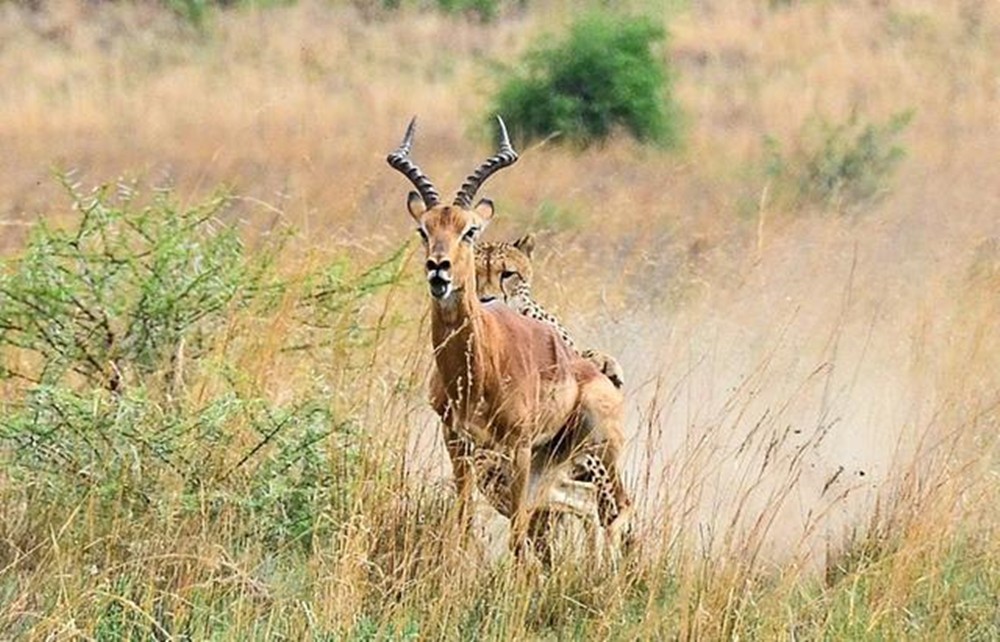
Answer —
(503, 158)
(399, 161)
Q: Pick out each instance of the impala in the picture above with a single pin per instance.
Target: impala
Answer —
(502, 381)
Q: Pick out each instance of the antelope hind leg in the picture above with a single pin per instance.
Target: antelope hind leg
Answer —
(520, 511)
(602, 409)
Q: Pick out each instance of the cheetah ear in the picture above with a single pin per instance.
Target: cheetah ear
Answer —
(526, 244)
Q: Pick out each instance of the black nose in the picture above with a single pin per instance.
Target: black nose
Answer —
(443, 264)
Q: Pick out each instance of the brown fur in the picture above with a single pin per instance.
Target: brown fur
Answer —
(505, 381)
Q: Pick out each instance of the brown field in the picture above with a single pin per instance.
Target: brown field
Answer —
(814, 396)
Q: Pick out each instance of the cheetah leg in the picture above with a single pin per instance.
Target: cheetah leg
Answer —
(617, 510)
(590, 469)
(575, 497)
(564, 499)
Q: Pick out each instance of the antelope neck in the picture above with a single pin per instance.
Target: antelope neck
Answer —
(454, 325)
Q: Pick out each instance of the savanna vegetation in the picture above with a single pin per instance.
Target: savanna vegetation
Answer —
(213, 332)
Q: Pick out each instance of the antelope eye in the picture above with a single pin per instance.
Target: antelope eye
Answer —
(470, 234)
(422, 233)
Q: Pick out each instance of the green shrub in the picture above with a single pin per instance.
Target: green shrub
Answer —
(94, 318)
(840, 166)
(125, 291)
(480, 10)
(550, 215)
(198, 13)
(484, 10)
(603, 76)
(194, 12)
(119, 450)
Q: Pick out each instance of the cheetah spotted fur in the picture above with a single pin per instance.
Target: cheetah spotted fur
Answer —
(504, 271)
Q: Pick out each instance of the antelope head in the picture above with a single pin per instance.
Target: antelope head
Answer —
(449, 232)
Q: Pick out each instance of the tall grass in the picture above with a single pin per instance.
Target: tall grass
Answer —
(814, 411)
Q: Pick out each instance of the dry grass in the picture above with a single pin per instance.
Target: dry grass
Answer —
(813, 398)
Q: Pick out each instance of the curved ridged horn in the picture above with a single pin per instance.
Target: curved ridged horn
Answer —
(503, 158)
(399, 161)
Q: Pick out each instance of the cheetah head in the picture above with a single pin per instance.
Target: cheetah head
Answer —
(500, 267)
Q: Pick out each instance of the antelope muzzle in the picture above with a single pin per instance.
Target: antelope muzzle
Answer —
(439, 277)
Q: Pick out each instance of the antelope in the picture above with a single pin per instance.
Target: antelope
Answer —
(502, 381)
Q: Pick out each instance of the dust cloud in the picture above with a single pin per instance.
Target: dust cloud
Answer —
(777, 414)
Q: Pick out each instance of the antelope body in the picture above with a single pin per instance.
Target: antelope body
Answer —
(503, 381)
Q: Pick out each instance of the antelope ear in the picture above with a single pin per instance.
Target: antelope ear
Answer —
(526, 244)
(415, 203)
(484, 210)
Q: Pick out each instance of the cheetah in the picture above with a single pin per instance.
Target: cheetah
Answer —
(503, 272)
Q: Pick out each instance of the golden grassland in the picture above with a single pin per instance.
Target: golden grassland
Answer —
(814, 397)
